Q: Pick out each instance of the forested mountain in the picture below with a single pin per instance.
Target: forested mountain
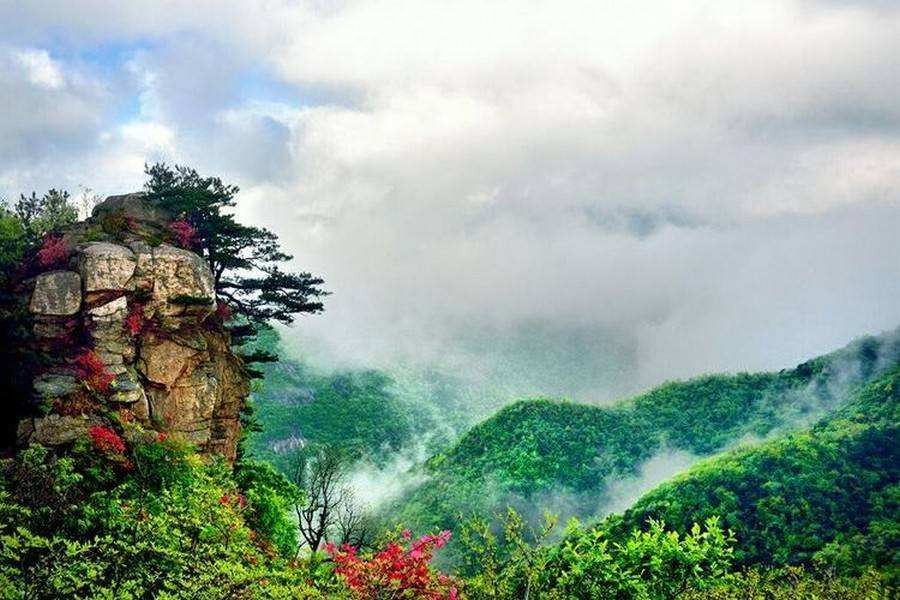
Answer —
(831, 493)
(824, 498)
(563, 457)
(296, 405)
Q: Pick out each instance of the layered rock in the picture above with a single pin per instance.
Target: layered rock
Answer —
(141, 312)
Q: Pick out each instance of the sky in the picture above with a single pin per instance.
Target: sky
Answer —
(578, 198)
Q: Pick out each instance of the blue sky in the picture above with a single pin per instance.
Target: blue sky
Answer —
(678, 187)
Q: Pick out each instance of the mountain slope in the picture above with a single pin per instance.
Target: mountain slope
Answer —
(563, 456)
(296, 405)
(830, 493)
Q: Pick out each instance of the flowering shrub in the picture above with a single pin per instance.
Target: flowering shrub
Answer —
(134, 322)
(185, 234)
(106, 440)
(395, 571)
(53, 252)
(235, 500)
(91, 370)
(223, 311)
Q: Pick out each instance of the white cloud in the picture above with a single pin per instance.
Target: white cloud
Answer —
(665, 186)
(42, 70)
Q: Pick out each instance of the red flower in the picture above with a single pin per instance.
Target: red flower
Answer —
(236, 500)
(185, 233)
(395, 571)
(54, 251)
(223, 311)
(91, 370)
(106, 440)
(134, 322)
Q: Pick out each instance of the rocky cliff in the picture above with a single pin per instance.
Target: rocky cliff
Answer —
(125, 326)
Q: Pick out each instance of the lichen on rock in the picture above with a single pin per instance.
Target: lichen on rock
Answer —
(143, 311)
(56, 293)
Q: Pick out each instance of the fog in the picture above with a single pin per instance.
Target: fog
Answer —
(571, 198)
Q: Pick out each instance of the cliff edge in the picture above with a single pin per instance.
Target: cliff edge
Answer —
(126, 326)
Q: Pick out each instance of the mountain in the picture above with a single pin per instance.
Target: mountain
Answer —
(812, 514)
(831, 493)
(585, 461)
(296, 405)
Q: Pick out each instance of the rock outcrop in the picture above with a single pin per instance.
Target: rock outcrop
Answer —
(125, 323)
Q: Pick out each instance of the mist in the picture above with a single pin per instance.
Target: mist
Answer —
(569, 199)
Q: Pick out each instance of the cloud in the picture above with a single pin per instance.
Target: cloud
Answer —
(568, 197)
(47, 109)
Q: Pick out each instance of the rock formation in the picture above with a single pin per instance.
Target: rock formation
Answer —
(125, 324)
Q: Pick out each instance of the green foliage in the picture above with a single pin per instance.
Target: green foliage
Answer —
(146, 533)
(45, 214)
(830, 495)
(12, 242)
(656, 563)
(543, 447)
(794, 583)
(271, 498)
(353, 410)
(244, 260)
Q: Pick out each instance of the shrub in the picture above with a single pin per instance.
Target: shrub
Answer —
(184, 233)
(54, 252)
(396, 571)
(162, 462)
(106, 440)
(270, 499)
(91, 370)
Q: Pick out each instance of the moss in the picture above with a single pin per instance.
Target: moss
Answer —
(156, 239)
(188, 300)
(115, 223)
(95, 234)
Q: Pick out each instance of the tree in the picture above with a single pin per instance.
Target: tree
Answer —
(46, 214)
(353, 524)
(330, 507)
(12, 243)
(245, 260)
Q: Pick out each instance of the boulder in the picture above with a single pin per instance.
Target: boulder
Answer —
(56, 430)
(54, 385)
(116, 308)
(56, 293)
(176, 373)
(179, 280)
(106, 267)
(163, 361)
(127, 390)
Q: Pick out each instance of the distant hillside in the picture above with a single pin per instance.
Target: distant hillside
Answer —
(831, 493)
(371, 412)
(295, 405)
(564, 457)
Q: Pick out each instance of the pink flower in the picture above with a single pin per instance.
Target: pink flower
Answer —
(54, 251)
(185, 233)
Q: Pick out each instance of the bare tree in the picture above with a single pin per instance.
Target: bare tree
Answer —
(330, 508)
(354, 526)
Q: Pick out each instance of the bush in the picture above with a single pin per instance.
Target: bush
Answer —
(399, 570)
(270, 500)
(62, 537)
(92, 371)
